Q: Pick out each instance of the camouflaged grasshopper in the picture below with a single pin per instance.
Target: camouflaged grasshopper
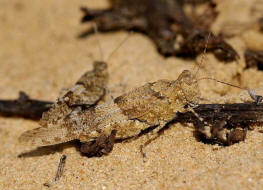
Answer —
(76, 115)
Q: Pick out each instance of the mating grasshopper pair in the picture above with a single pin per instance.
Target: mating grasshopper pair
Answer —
(77, 114)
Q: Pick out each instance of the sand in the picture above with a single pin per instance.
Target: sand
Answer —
(40, 54)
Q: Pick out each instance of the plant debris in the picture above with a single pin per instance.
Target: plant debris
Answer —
(24, 106)
(60, 170)
(174, 31)
(236, 118)
(254, 59)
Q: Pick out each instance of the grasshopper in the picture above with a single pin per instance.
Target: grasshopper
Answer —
(76, 115)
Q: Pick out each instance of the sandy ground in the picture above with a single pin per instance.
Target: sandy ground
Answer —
(40, 54)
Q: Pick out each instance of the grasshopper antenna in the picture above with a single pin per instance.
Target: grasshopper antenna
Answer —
(257, 98)
(222, 82)
(114, 51)
(100, 47)
(95, 28)
(203, 55)
(118, 47)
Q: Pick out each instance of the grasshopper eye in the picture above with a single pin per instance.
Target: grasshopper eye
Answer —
(187, 77)
(99, 65)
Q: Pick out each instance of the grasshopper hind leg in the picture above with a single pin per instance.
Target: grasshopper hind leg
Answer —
(151, 136)
(101, 146)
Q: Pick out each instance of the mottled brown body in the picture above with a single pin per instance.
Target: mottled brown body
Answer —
(59, 123)
(90, 88)
(76, 115)
(153, 104)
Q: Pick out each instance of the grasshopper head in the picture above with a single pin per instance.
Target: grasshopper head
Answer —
(189, 87)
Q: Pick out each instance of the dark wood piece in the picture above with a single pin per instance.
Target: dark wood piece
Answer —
(236, 118)
(254, 59)
(165, 22)
(24, 106)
